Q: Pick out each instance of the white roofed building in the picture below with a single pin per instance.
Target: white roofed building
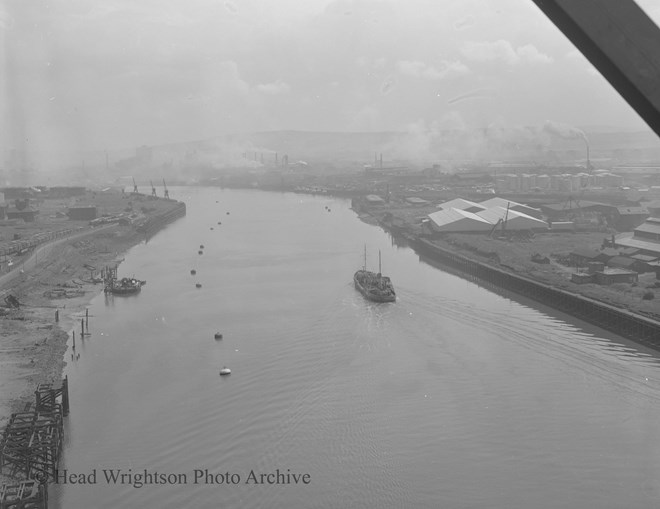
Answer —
(519, 207)
(456, 220)
(514, 220)
(461, 204)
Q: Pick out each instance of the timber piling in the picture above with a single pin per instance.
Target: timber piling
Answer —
(30, 448)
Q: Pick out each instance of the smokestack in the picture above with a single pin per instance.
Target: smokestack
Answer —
(588, 163)
(381, 160)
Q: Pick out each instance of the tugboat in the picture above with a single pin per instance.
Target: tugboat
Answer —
(124, 286)
(375, 287)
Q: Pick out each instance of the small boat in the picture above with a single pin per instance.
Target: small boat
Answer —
(193, 272)
(225, 371)
(200, 252)
(198, 285)
(124, 286)
(217, 335)
(201, 246)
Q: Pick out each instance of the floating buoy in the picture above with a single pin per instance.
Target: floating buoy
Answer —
(227, 213)
(219, 222)
(193, 272)
(201, 246)
(198, 285)
(200, 252)
(211, 227)
(217, 335)
(225, 371)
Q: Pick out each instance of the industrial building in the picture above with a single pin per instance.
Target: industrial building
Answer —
(646, 238)
(461, 204)
(485, 220)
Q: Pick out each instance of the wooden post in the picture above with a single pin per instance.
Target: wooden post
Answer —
(65, 395)
(57, 315)
(74, 340)
(87, 319)
(82, 328)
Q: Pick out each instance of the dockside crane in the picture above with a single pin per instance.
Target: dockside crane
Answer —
(135, 189)
(167, 193)
(153, 190)
(501, 221)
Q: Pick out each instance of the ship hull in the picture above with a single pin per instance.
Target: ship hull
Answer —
(372, 291)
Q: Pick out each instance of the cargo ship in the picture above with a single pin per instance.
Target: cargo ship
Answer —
(374, 286)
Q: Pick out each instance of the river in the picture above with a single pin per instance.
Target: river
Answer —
(452, 397)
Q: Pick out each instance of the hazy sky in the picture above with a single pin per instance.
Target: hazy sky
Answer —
(95, 74)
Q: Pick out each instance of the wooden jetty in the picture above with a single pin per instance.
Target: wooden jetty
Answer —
(47, 397)
(24, 495)
(31, 444)
(30, 447)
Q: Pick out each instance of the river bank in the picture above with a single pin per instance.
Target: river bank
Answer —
(493, 259)
(54, 283)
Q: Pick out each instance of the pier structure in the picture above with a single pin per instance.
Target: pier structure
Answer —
(29, 494)
(47, 398)
(30, 447)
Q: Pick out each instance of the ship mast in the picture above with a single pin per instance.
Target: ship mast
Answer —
(365, 257)
(379, 271)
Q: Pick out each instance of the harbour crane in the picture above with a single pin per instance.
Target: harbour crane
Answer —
(153, 190)
(167, 193)
(135, 189)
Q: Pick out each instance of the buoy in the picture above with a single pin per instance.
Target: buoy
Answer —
(217, 335)
(200, 252)
(193, 272)
(211, 227)
(201, 246)
(225, 371)
(219, 222)
(227, 213)
(198, 285)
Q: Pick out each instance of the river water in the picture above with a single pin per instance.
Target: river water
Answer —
(452, 397)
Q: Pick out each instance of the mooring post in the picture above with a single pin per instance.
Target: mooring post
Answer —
(65, 395)
(57, 315)
(87, 319)
(82, 328)
(74, 340)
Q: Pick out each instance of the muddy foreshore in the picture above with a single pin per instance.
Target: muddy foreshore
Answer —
(58, 279)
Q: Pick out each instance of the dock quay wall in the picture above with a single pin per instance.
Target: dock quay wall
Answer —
(633, 326)
(153, 224)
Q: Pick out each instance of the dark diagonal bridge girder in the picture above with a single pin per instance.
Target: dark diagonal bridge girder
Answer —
(621, 41)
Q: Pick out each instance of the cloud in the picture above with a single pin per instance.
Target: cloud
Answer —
(464, 23)
(419, 69)
(275, 88)
(503, 51)
(529, 53)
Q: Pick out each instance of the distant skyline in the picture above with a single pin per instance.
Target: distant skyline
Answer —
(96, 74)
